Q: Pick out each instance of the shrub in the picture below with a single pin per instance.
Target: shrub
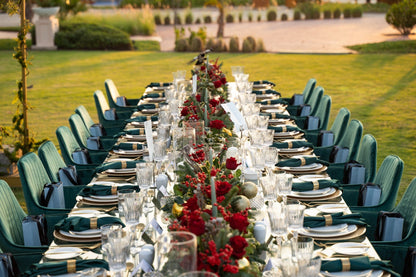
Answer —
(250, 17)
(307, 9)
(234, 45)
(158, 19)
(337, 13)
(177, 20)
(240, 17)
(260, 46)
(196, 44)
(247, 46)
(258, 17)
(252, 41)
(198, 21)
(316, 13)
(89, 36)
(220, 46)
(210, 44)
(181, 45)
(283, 17)
(229, 18)
(271, 15)
(327, 14)
(402, 16)
(347, 13)
(207, 19)
(357, 12)
(296, 15)
(189, 19)
(167, 20)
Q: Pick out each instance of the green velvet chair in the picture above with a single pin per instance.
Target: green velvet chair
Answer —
(11, 232)
(107, 141)
(351, 140)
(33, 177)
(324, 108)
(396, 250)
(68, 144)
(307, 91)
(338, 128)
(388, 178)
(81, 134)
(313, 99)
(113, 94)
(367, 156)
(112, 127)
(52, 161)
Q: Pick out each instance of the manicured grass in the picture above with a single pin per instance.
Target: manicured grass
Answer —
(393, 47)
(9, 44)
(379, 90)
(10, 29)
(146, 45)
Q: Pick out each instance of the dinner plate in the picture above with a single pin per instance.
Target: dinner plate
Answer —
(328, 229)
(286, 134)
(265, 96)
(314, 177)
(261, 86)
(279, 121)
(350, 248)
(155, 100)
(141, 124)
(274, 110)
(332, 208)
(135, 137)
(105, 197)
(129, 153)
(100, 201)
(349, 230)
(330, 195)
(312, 166)
(75, 236)
(63, 253)
(84, 213)
(121, 172)
(313, 192)
(364, 273)
(87, 233)
(293, 150)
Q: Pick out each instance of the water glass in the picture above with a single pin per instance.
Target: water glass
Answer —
(268, 136)
(105, 230)
(174, 106)
(118, 250)
(177, 134)
(263, 122)
(189, 136)
(251, 121)
(271, 156)
(304, 250)
(176, 253)
(295, 214)
(198, 274)
(284, 181)
(269, 188)
(120, 195)
(163, 132)
(160, 149)
(164, 117)
(132, 207)
(277, 213)
(145, 175)
(257, 158)
(311, 269)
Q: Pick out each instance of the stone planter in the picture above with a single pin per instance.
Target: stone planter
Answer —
(46, 12)
(46, 27)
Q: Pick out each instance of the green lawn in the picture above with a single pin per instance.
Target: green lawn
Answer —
(379, 90)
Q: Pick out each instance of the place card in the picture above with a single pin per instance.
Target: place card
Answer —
(268, 266)
(157, 226)
(149, 138)
(235, 115)
(164, 191)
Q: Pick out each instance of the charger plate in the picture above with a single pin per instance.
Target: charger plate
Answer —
(333, 195)
(358, 232)
(71, 238)
(122, 172)
(129, 153)
(336, 232)
(63, 253)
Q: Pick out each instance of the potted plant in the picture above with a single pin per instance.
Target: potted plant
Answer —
(47, 8)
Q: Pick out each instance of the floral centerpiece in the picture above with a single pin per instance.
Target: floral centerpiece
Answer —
(226, 244)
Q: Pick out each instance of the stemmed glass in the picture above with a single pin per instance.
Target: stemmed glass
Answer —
(145, 180)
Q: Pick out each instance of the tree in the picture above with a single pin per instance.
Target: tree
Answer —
(402, 16)
(220, 4)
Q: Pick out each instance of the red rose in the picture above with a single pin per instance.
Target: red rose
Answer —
(223, 80)
(222, 187)
(196, 223)
(202, 67)
(214, 102)
(217, 83)
(217, 124)
(239, 245)
(214, 172)
(185, 111)
(239, 222)
(231, 163)
(192, 204)
(220, 198)
(198, 97)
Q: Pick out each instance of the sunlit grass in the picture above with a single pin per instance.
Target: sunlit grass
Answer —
(379, 90)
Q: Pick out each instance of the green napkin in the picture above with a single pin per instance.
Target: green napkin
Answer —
(117, 165)
(137, 131)
(153, 95)
(79, 223)
(267, 91)
(358, 264)
(104, 189)
(260, 82)
(292, 144)
(275, 115)
(57, 268)
(337, 218)
(143, 118)
(305, 186)
(157, 84)
(146, 106)
(128, 146)
(286, 128)
(294, 162)
(274, 102)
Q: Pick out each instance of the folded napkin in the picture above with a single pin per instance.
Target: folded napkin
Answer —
(356, 264)
(128, 146)
(333, 219)
(143, 118)
(267, 91)
(57, 268)
(286, 128)
(105, 189)
(294, 162)
(274, 102)
(157, 84)
(137, 131)
(292, 144)
(79, 223)
(147, 106)
(319, 184)
(153, 95)
(260, 82)
(117, 165)
(275, 115)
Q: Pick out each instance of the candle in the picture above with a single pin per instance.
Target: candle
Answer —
(206, 107)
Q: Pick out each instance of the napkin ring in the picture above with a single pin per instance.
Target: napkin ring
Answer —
(134, 146)
(71, 266)
(123, 164)
(346, 265)
(93, 223)
(289, 144)
(315, 184)
(284, 129)
(302, 161)
(113, 190)
(328, 220)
